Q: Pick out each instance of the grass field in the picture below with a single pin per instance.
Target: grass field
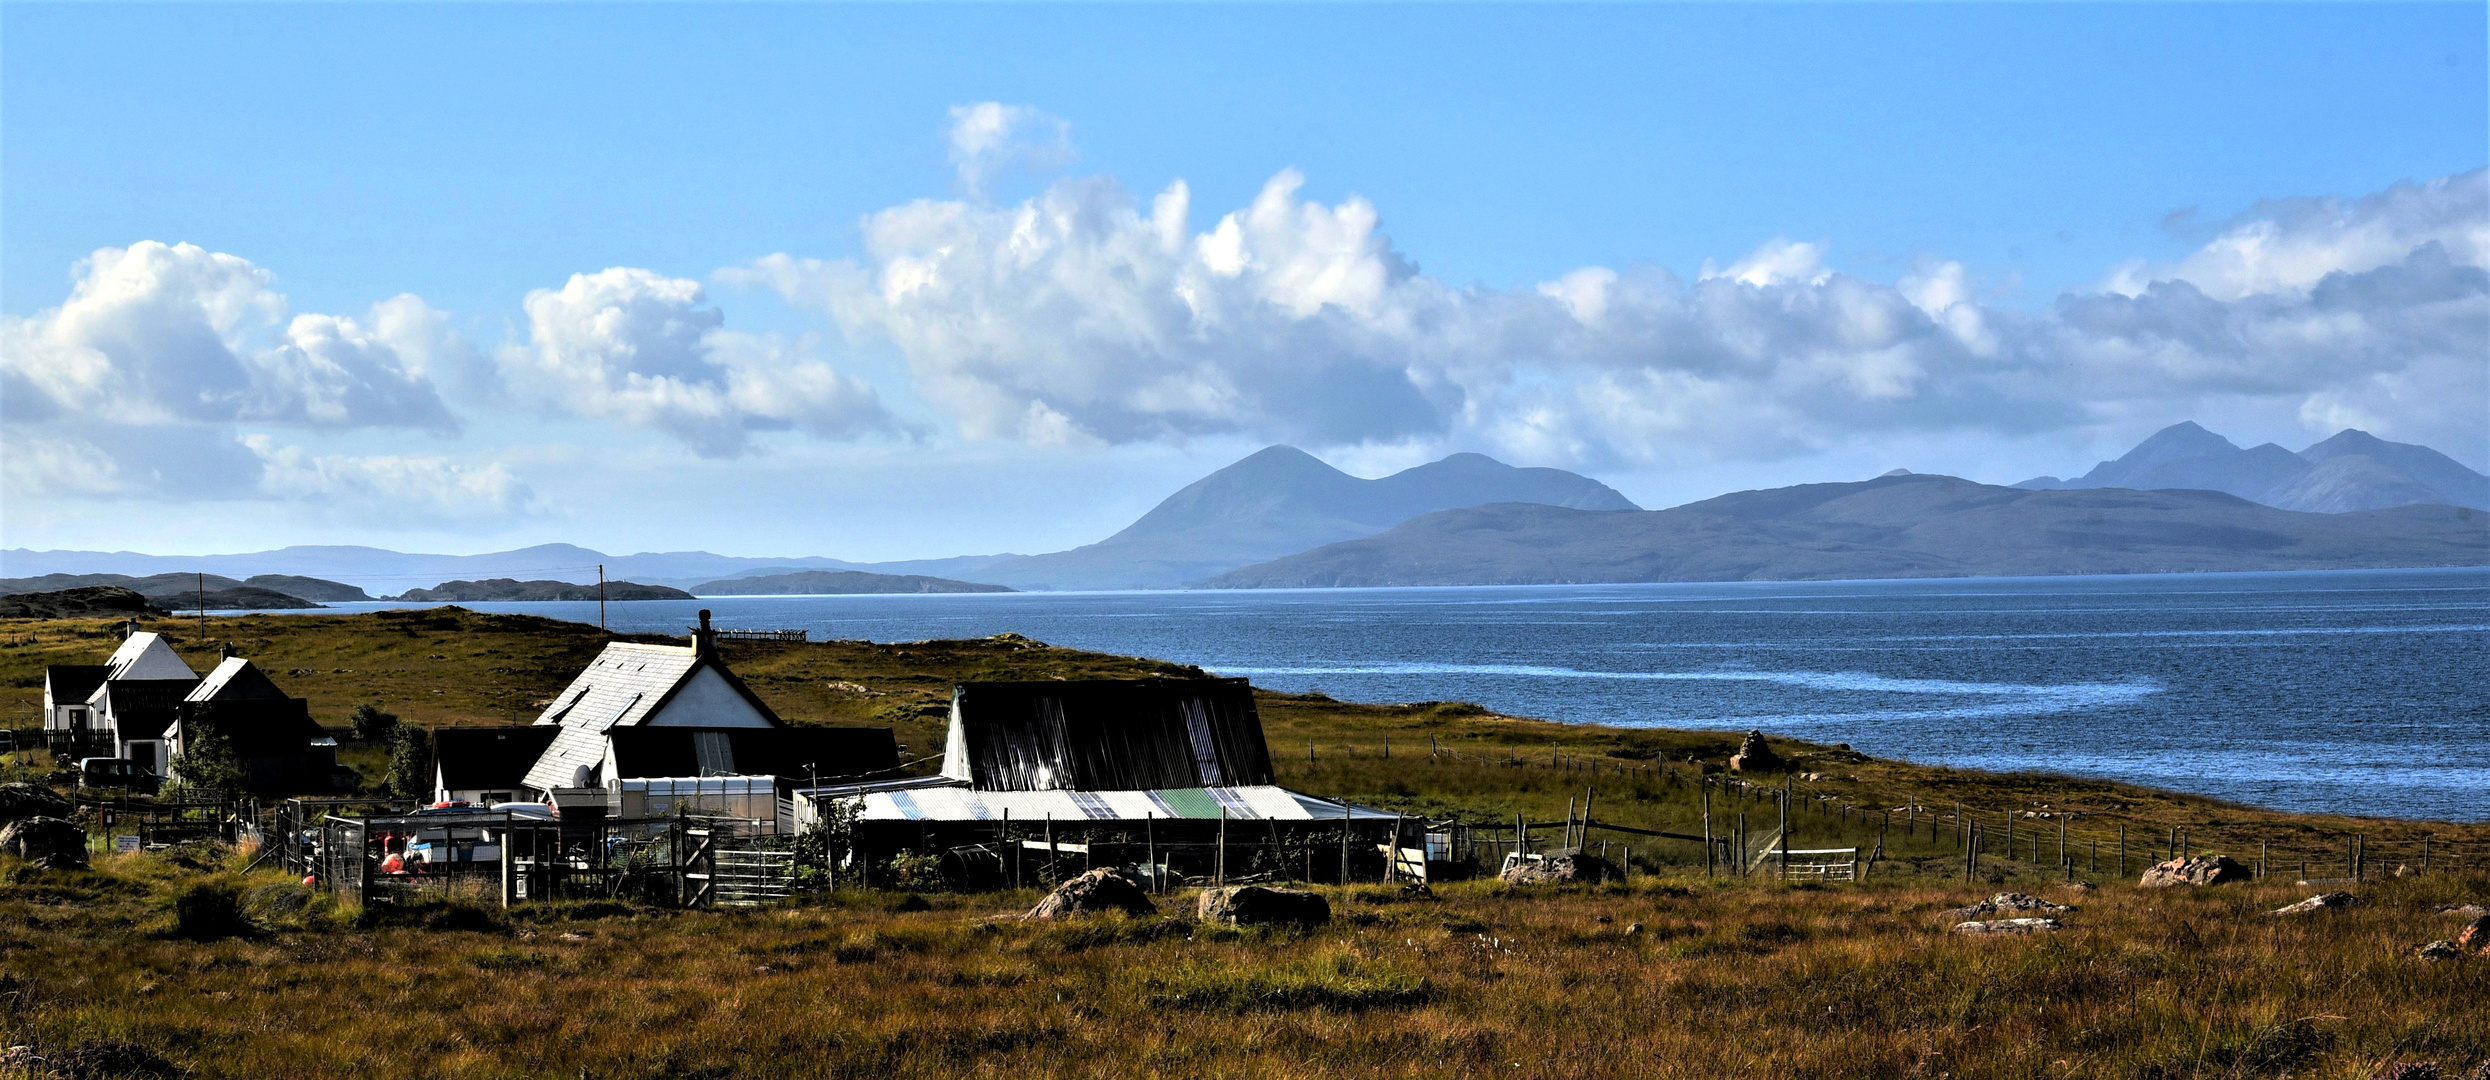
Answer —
(1670, 974)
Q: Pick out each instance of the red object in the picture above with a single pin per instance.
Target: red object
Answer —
(311, 881)
(395, 864)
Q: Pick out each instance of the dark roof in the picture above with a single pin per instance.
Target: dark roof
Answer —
(488, 758)
(71, 683)
(257, 727)
(799, 754)
(1107, 735)
(142, 708)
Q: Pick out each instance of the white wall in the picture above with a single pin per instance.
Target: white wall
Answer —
(708, 700)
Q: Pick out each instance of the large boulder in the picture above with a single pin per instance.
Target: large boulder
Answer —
(1104, 889)
(2195, 870)
(48, 842)
(2332, 901)
(1255, 905)
(21, 800)
(1564, 866)
(1754, 756)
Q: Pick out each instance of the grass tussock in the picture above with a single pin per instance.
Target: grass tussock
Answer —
(1659, 977)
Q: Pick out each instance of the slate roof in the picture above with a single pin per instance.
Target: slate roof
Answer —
(72, 683)
(236, 679)
(1106, 734)
(621, 688)
(488, 758)
(136, 648)
(800, 754)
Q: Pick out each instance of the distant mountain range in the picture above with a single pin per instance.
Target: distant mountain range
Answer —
(1282, 516)
(1895, 526)
(1276, 501)
(2353, 470)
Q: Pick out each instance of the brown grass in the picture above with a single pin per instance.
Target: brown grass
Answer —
(1725, 978)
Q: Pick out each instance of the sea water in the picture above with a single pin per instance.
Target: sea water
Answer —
(2362, 692)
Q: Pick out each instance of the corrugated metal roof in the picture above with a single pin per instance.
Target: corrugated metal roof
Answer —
(951, 801)
(795, 752)
(1106, 734)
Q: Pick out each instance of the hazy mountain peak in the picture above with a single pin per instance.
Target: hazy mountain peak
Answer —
(2353, 470)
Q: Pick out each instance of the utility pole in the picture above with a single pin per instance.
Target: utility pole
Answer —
(203, 609)
(600, 596)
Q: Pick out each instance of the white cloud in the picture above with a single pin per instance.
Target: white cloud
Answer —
(2290, 245)
(1079, 315)
(989, 136)
(400, 487)
(641, 349)
(157, 333)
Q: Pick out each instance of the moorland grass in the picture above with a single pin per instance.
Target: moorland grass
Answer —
(1670, 974)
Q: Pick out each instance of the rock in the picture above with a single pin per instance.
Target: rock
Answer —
(2438, 950)
(2333, 901)
(22, 800)
(101, 1058)
(2195, 870)
(1105, 889)
(2077, 886)
(1564, 866)
(2475, 936)
(1754, 756)
(48, 842)
(2008, 901)
(1995, 927)
(1255, 905)
(2465, 911)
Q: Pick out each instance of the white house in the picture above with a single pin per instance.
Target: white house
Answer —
(636, 686)
(145, 655)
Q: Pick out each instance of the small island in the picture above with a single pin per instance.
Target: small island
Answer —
(496, 590)
(839, 583)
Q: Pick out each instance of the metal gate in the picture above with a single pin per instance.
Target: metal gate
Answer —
(746, 876)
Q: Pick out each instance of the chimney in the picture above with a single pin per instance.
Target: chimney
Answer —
(224, 651)
(704, 639)
(128, 627)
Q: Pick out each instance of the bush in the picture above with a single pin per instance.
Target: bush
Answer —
(370, 723)
(210, 911)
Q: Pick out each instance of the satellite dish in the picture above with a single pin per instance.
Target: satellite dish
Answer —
(582, 776)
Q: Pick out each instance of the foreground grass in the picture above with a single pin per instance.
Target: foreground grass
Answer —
(1718, 979)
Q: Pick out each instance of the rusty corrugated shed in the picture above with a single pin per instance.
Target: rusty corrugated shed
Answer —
(1106, 735)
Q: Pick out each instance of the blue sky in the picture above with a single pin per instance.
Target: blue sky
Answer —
(1942, 179)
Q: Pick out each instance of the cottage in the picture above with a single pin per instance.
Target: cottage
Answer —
(134, 697)
(65, 690)
(670, 711)
(271, 735)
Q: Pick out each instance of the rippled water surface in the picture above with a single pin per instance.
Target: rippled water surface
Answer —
(2358, 691)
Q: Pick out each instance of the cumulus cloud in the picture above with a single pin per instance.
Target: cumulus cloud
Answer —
(989, 137)
(2291, 245)
(644, 350)
(1083, 314)
(157, 333)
